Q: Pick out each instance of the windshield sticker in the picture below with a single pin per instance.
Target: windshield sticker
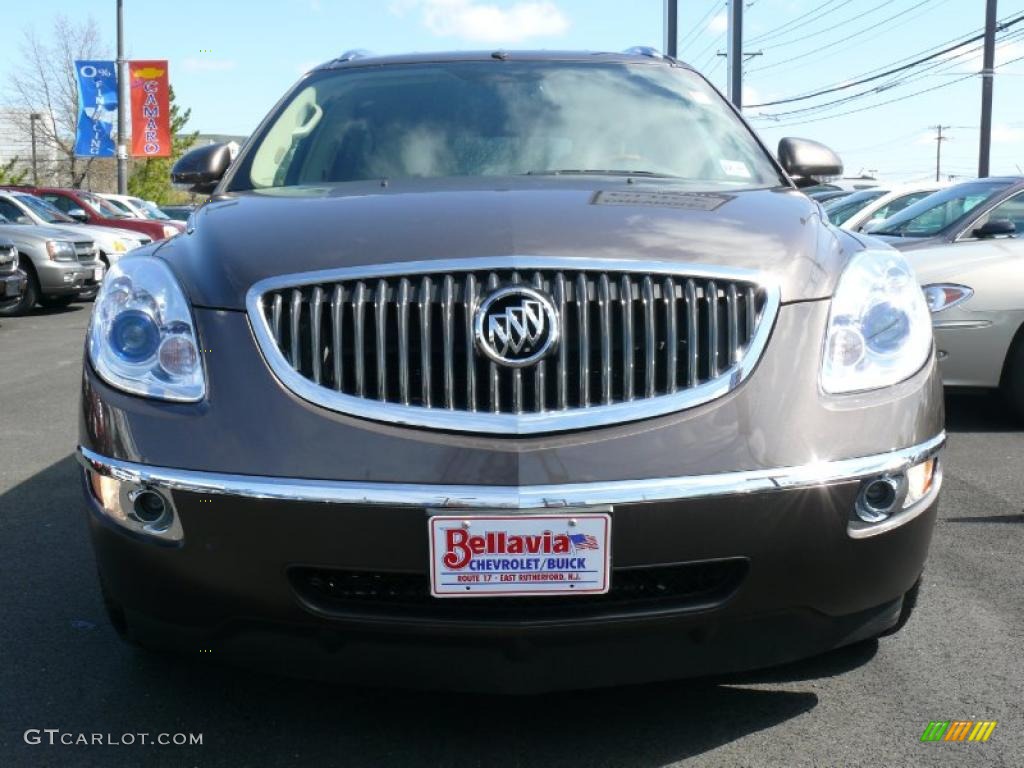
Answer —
(735, 168)
(694, 201)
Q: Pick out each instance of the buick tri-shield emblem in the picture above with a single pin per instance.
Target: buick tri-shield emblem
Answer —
(516, 325)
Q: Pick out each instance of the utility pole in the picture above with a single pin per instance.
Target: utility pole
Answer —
(122, 130)
(987, 76)
(671, 27)
(939, 138)
(735, 52)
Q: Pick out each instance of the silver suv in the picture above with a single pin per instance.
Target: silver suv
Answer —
(59, 267)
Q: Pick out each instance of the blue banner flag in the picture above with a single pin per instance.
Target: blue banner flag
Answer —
(97, 108)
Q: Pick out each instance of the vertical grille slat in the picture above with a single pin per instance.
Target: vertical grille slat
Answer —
(711, 300)
(540, 372)
(358, 333)
(315, 316)
(733, 325)
(409, 340)
(671, 334)
(628, 352)
(562, 379)
(692, 335)
(604, 301)
(337, 336)
(425, 370)
(403, 341)
(380, 311)
(650, 341)
(295, 320)
(583, 331)
(448, 319)
(469, 302)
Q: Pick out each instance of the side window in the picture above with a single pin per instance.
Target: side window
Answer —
(897, 205)
(11, 212)
(1012, 209)
(63, 203)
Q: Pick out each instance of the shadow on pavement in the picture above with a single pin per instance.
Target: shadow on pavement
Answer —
(978, 411)
(66, 669)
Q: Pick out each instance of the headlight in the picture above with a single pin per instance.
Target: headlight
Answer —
(141, 336)
(945, 295)
(170, 231)
(879, 329)
(60, 250)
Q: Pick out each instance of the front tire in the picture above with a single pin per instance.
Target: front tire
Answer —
(1013, 377)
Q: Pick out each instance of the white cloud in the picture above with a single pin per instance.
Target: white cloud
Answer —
(208, 65)
(1003, 133)
(719, 23)
(487, 22)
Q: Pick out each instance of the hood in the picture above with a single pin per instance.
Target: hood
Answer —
(41, 232)
(241, 238)
(109, 233)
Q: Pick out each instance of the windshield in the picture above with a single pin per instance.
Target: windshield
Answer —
(104, 207)
(841, 210)
(471, 119)
(152, 211)
(932, 215)
(44, 210)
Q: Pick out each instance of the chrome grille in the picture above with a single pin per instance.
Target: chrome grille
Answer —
(396, 342)
(84, 250)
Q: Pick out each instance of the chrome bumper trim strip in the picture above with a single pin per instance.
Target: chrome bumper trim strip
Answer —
(513, 497)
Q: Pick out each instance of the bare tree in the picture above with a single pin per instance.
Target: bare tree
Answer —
(46, 84)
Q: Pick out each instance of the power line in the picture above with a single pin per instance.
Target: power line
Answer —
(845, 38)
(817, 33)
(893, 71)
(694, 33)
(782, 28)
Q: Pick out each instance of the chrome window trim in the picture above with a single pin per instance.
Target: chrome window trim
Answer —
(527, 497)
(502, 423)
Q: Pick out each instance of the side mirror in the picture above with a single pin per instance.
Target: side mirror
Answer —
(996, 228)
(78, 214)
(808, 159)
(202, 169)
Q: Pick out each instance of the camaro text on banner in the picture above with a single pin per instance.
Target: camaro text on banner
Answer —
(151, 118)
(97, 108)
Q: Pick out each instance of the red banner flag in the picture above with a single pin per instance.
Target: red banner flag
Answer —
(151, 113)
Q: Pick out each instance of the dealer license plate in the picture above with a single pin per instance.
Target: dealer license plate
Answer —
(509, 555)
(97, 274)
(10, 288)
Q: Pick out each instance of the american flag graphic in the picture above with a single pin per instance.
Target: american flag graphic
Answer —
(583, 541)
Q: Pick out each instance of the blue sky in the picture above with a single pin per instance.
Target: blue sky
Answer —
(231, 60)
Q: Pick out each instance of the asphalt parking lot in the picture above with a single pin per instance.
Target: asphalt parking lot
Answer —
(63, 667)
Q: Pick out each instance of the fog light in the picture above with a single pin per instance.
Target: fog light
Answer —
(880, 497)
(150, 507)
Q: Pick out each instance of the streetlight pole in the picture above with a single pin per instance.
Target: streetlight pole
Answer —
(671, 27)
(122, 130)
(35, 168)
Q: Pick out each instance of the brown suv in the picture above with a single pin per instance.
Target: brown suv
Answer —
(510, 371)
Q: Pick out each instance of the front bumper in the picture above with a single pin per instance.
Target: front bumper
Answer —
(62, 278)
(12, 286)
(796, 575)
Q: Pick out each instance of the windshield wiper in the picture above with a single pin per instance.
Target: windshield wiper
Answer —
(599, 172)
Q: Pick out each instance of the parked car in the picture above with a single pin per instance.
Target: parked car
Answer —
(178, 212)
(12, 280)
(20, 207)
(952, 214)
(88, 208)
(840, 209)
(58, 269)
(528, 405)
(135, 206)
(975, 288)
(826, 195)
(890, 203)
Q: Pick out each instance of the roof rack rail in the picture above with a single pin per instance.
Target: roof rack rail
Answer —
(355, 53)
(645, 50)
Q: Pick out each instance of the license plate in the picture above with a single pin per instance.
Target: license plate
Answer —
(10, 288)
(508, 555)
(97, 274)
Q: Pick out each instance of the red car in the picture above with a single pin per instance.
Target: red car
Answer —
(92, 209)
